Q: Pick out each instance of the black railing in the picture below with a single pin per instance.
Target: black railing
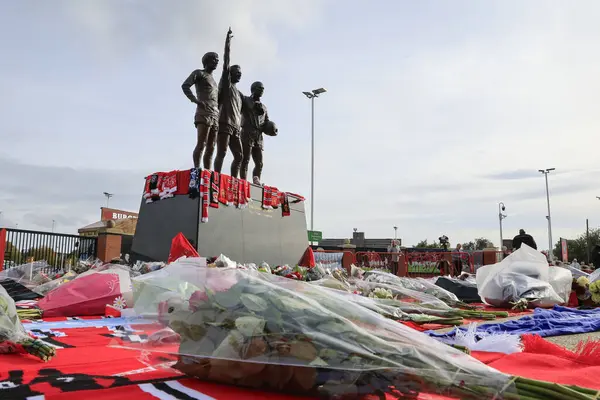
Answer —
(126, 243)
(57, 249)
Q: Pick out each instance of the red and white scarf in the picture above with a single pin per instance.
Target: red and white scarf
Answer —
(205, 193)
(267, 201)
(214, 189)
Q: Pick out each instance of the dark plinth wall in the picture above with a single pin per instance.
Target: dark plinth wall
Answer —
(244, 235)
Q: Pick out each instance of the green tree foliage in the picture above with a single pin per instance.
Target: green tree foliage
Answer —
(13, 254)
(42, 253)
(423, 244)
(577, 248)
(477, 244)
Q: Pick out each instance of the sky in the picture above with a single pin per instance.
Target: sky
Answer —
(436, 111)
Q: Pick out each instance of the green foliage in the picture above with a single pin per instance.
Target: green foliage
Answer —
(477, 244)
(13, 254)
(577, 248)
(42, 253)
(423, 244)
(474, 245)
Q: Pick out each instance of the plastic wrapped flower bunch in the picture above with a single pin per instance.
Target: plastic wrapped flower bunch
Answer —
(13, 337)
(257, 330)
(381, 293)
(594, 289)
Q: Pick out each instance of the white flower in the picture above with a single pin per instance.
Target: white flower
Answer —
(119, 303)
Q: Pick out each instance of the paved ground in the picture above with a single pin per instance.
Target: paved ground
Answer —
(568, 341)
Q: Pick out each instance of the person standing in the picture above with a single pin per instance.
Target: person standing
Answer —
(457, 260)
(206, 119)
(523, 238)
(230, 116)
(394, 248)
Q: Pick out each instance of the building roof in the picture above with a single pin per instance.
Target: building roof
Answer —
(94, 226)
(366, 243)
(124, 226)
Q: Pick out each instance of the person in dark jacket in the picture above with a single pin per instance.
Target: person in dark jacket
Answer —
(523, 238)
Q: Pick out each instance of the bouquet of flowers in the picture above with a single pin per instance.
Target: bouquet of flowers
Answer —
(246, 328)
(416, 284)
(13, 337)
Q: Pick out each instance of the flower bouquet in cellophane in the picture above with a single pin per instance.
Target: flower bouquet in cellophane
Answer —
(13, 337)
(256, 330)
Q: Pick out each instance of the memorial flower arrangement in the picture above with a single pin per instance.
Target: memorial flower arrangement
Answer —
(584, 290)
(13, 337)
(594, 289)
(251, 329)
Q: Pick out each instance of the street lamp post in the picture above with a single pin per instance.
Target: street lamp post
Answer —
(501, 216)
(312, 95)
(546, 172)
(108, 196)
(395, 232)
(53, 223)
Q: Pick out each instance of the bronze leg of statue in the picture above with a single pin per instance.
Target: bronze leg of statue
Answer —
(235, 145)
(222, 144)
(211, 141)
(202, 130)
(257, 157)
(246, 154)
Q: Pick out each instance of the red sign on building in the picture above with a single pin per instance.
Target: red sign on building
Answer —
(112, 213)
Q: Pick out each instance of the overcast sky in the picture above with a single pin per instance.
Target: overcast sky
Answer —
(436, 110)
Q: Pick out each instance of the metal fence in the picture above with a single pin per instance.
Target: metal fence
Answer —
(424, 264)
(57, 249)
(434, 263)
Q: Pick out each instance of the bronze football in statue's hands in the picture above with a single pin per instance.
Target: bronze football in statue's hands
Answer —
(269, 128)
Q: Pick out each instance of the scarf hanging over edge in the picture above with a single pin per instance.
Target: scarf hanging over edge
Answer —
(214, 189)
(205, 192)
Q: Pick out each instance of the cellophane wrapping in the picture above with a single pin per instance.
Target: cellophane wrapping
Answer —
(416, 284)
(524, 274)
(13, 337)
(398, 292)
(252, 329)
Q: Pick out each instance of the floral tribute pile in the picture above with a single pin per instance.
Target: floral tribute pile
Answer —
(250, 327)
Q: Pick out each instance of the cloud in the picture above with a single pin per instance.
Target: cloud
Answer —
(34, 195)
(516, 175)
(187, 29)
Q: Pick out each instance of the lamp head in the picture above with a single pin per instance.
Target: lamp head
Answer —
(318, 91)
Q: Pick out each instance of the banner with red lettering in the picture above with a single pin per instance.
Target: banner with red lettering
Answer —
(564, 250)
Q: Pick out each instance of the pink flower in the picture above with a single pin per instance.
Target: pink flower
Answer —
(218, 282)
(197, 298)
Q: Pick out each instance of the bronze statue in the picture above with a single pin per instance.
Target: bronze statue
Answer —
(206, 119)
(255, 122)
(230, 119)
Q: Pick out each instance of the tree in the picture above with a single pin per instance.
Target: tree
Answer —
(42, 253)
(423, 244)
(578, 248)
(477, 244)
(11, 253)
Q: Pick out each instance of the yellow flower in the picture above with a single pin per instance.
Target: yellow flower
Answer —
(593, 287)
(583, 281)
(596, 298)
